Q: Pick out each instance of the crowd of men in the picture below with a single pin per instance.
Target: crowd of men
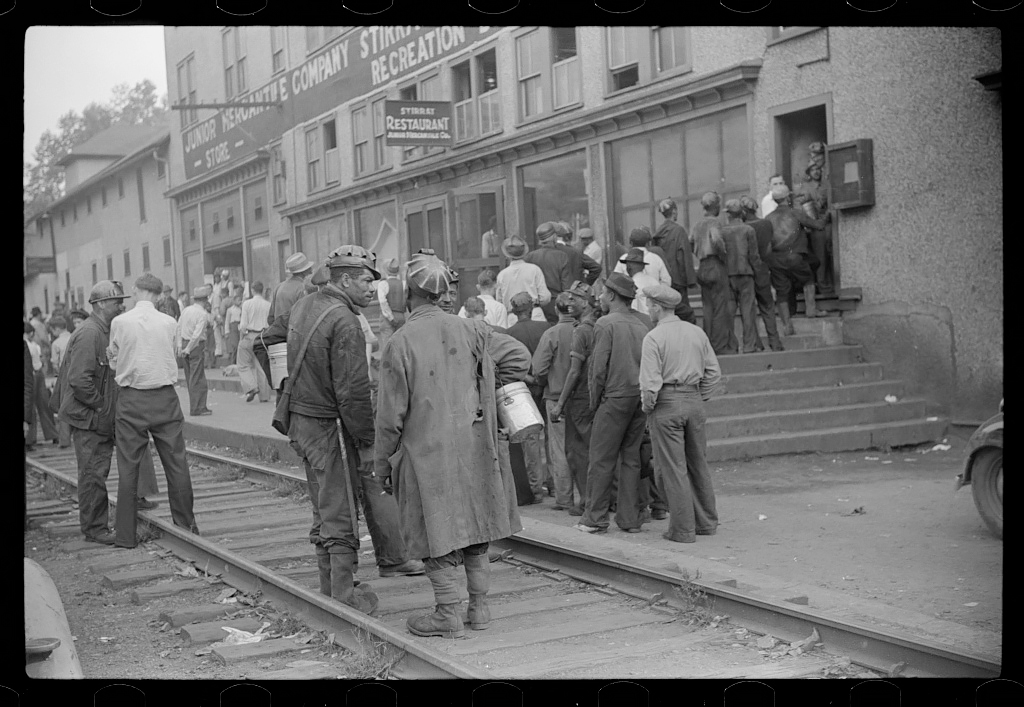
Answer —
(617, 366)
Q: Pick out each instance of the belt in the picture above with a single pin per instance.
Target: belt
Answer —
(682, 387)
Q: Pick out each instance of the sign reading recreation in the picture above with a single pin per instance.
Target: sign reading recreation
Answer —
(340, 72)
(418, 123)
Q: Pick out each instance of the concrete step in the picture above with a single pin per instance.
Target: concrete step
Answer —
(802, 377)
(828, 440)
(784, 360)
(802, 398)
(790, 421)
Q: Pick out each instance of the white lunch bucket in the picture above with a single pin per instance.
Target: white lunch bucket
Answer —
(517, 411)
(278, 355)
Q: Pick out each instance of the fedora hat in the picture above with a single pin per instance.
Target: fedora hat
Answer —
(391, 266)
(297, 262)
(635, 255)
(622, 284)
(514, 247)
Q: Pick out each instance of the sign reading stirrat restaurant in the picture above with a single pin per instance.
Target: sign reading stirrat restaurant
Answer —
(340, 72)
(418, 123)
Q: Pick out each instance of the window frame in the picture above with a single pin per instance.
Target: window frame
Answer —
(382, 158)
(215, 222)
(411, 153)
(168, 254)
(334, 158)
(127, 262)
(110, 267)
(187, 93)
(257, 208)
(192, 229)
(145, 257)
(545, 74)
(233, 41)
(278, 170)
(777, 35)
(687, 66)
(278, 33)
(314, 163)
(475, 82)
(229, 217)
(639, 57)
(364, 108)
(95, 272)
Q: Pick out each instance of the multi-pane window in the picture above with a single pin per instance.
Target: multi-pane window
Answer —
(192, 230)
(167, 250)
(381, 152)
(110, 267)
(103, 195)
(127, 263)
(360, 140)
(142, 200)
(233, 46)
(257, 209)
(187, 89)
(280, 175)
(331, 161)
(314, 156)
(216, 222)
(145, 257)
(529, 60)
(623, 59)
(475, 94)
(277, 48)
(427, 89)
(230, 217)
(94, 273)
(565, 67)
(671, 48)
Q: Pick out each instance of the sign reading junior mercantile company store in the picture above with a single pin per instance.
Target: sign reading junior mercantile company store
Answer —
(346, 69)
(418, 123)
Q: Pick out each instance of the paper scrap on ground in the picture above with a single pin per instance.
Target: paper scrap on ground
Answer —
(762, 516)
(941, 448)
(890, 398)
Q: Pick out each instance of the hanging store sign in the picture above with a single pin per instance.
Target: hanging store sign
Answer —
(338, 73)
(418, 123)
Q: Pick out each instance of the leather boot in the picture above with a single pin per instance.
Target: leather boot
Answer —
(323, 563)
(810, 306)
(343, 590)
(787, 323)
(445, 621)
(478, 582)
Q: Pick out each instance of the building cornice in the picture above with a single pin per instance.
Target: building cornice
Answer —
(644, 106)
(247, 168)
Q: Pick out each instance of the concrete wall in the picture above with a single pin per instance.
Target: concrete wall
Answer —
(928, 254)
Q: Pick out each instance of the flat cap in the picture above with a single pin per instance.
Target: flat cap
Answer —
(546, 231)
(635, 255)
(200, 292)
(641, 235)
(583, 290)
(734, 207)
(150, 283)
(297, 262)
(663, 295)
(748, 204)
(622, 284)
(428, 273)
(585, 234)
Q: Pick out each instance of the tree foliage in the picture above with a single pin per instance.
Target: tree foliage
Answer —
(43, 178)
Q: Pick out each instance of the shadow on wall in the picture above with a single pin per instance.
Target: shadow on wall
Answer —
(914, 344)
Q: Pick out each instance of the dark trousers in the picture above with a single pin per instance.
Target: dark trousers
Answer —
(679, 441)
(317, 441)
(683, 310)
(766, 305)
(195, 378)
(615, 441)
(578, 422)
(453, 558)
(821, 247)
(259, 348)
(649, 493)
(715, 295)
(210, 352)
(790, 272)
(42, 417)
(742, 287)
(93, 452)
(141, 414)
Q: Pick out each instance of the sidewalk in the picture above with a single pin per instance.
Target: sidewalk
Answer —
(917, 559)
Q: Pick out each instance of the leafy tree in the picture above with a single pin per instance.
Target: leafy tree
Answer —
(43, 178)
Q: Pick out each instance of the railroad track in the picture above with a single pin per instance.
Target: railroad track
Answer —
(557, 612)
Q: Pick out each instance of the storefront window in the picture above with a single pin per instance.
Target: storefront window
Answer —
(318, 239)
(555, 190)
(377, 231)
(193, 271)
(261, 261)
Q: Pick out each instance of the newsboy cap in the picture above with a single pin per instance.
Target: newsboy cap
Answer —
(663, 295)
(586, 234)
(734, 207)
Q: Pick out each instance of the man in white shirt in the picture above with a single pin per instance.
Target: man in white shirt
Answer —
(521, 276)
(655, 267)
(141, 354)
(391, 298)
(495, 313)
(191, 346)
(591, 249)
(254, 320)
(634, 263)
(768, 203)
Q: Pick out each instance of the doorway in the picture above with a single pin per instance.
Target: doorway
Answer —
(794, 132)
(479, 233)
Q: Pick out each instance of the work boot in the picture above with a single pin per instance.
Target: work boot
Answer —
(478, 583)
(787, 323)
(342, 587)
(810, 306)
(445, 621)
(408, 568)
(323, 563)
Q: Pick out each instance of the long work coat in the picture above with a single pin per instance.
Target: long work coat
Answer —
(436, 430)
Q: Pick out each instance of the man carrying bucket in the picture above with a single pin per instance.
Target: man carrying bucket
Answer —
(437, 382)
(281, 302)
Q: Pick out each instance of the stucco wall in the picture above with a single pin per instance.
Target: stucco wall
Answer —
(928, 254)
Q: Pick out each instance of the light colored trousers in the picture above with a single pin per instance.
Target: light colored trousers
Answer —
(249, 370)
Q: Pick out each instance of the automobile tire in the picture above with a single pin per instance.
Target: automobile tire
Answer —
(987, 488)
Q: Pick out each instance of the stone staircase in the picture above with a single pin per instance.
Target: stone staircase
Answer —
(819, 395)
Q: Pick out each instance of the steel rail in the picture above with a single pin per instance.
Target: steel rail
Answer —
(353, 630)
(881, 650)
(877, 649)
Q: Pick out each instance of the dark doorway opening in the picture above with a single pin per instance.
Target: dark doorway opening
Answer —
(794, 132)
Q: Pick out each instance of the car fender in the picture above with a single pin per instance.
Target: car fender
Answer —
(988, 435)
